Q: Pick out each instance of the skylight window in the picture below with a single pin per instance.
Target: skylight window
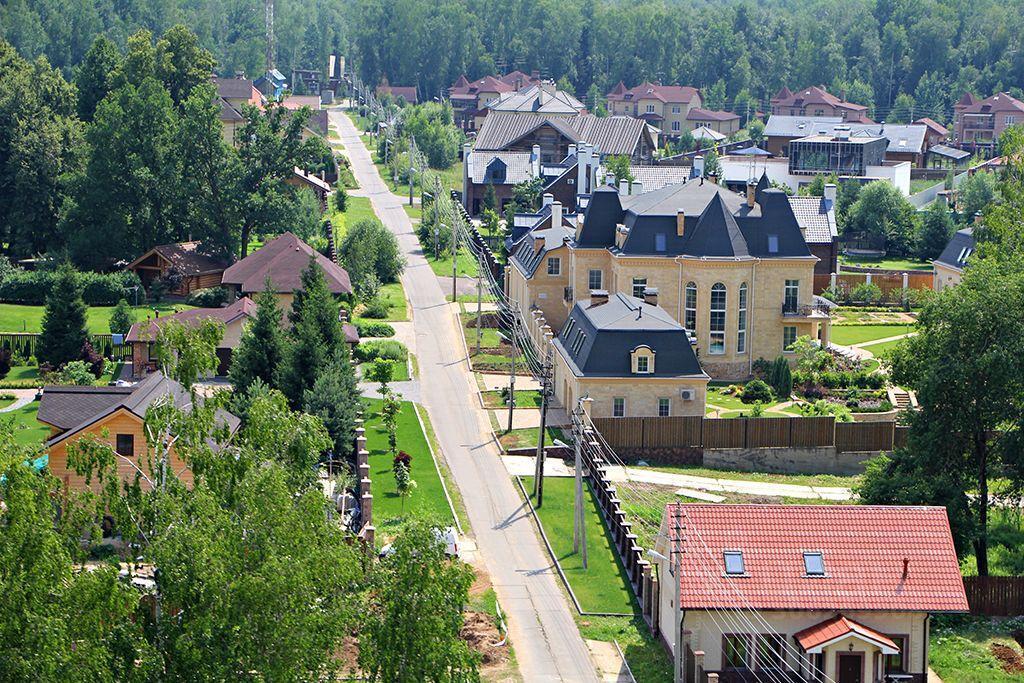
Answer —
(814, 564)
(659, 241)
(734, 562)
(773, 244)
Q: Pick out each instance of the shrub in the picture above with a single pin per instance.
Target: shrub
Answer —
(31, 287)
(761, 368)
(385, 349)
(781, 377)
(377, 308)
(756, 391)
(812, 391)
(92, 359)
(822, 408)
(76, 373)
(340, 197)
(835, 380)
(211, 297)
(866, 292)
(5, 362)
(403, 459)
(368, 247)
(372, 329)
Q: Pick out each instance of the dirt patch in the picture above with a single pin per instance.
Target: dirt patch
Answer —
(481, 583)
(481, 633)
(1010, 660)
(347, 655)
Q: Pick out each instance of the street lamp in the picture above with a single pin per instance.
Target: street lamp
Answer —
(680, 655)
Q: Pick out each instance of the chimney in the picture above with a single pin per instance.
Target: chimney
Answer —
(906, 567)
(538, 244)
(582, 168)
(830, 195)
(598, 297)
(623, 187)
(680, 222)
(572, 150)
(943, 197)
(751, 193)
(556, 214)
(609, 179)
(535, 161)
(713, 177)
(651, 296)
(546, 199)
(638, 187)
(698, 166)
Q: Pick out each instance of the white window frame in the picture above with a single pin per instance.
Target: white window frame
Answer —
(741, 321)
(676, 109)
(716, 320)
(600, 278)
(666, 403)
(690, 307)
(646, 369)
(640, 282)
(791, 295)
(650, 108)
(557, 263)
(618, 402)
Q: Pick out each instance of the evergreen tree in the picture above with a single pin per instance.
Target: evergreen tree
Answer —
(306, 358)
(262, 347)
(314, 302)
(334, 398)
(64, 331)
(121, 318)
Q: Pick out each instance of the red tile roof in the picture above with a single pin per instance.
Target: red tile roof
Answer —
(838, 627)
(814, 95)
(485, 84)
(664, 93)
(864, 549)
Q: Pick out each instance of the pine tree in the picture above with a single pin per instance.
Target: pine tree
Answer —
(314, 302)
(334, 398)
(64, 331)
(305, 360)
(121, 318)
(262, 347)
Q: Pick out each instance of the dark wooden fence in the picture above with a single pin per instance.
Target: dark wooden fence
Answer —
(750, 432)
(995, 596)
(24, 343)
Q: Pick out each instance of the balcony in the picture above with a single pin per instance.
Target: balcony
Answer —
(817, 311)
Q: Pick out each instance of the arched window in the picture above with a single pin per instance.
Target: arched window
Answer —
(690, 311)
(717, 319)
(741, 327)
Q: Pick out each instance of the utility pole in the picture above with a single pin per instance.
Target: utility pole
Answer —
(479, 299)
(677, 561)
(412, 154)
(579, 529)
(512, 371)
(545, 392)
(455, 257)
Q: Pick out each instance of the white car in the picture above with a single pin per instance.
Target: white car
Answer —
(448, 537)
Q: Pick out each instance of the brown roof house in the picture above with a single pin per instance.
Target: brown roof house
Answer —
(143, 334)
(282, 260)
(183, 263)
(116, 416)
(978, 124)
(724, 122)
(816, 101)
(664, 106)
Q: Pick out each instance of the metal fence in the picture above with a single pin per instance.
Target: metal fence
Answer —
(751, 432)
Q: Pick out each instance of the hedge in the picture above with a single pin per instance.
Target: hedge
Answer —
(98, 289)
(388, 349)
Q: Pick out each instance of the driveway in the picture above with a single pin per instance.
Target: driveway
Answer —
(547, 643)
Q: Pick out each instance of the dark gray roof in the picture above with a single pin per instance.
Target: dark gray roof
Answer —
(902, 138)
(609, 135)
(539, 99)
(718, 223)
(815, 218)
(949, 152)
(234, 88)
(597, 339)
(72, 409)
(527, 256)
(483, 164)
(958, 250)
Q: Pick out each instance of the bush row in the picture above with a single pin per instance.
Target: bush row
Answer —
(386, 349)
(98, 289)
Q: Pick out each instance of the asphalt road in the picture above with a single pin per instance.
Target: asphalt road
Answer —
(547, 643)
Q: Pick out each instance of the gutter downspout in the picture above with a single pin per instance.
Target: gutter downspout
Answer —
(679, 292)
(750, 317)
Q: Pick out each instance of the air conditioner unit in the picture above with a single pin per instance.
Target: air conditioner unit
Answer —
(687, 394)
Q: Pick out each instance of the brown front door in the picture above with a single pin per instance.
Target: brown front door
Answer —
(850, 668)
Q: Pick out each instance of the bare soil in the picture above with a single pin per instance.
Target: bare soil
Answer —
(1009, 659)
(480, 632)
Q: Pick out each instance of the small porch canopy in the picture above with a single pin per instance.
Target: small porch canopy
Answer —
(815, 639)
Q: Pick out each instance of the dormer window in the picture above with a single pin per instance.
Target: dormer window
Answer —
(734, 563)
(814, 564)
(642, 360)
(773, 244)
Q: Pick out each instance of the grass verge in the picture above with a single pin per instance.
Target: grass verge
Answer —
(527, 437)
(20, 318)
(847, 335)
(961, 648)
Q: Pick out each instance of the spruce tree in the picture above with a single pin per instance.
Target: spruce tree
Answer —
(64, 331)
(121, 318)
(262, 347)
(314, 302)
(305, 360)
(334, 398)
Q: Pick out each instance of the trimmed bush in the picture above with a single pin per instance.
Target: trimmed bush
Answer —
(385, 349)
(377, 308)
(374, 329)
(31, 287)
(211, 297)
(756, 391)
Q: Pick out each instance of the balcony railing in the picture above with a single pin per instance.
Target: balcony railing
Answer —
(814, 310)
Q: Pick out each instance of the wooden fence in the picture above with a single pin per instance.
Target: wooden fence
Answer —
(24, 343)
(749, 432)
(995, 596)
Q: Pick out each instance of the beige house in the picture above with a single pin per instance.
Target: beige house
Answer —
(736, 272)
(949, 266)
(839, 593)
(665, 107)
(629, 357)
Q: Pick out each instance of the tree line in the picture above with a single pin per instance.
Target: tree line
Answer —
(130, 153)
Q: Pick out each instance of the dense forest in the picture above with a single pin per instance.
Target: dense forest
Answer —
(872, 51)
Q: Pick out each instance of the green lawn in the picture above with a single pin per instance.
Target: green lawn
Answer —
(602, 586)
(847, 335)
(716, 399)
(467, 263)
(415, 212)
(526, 437)
(884, 263)
(490, 338)
(881, 348)
(647, 659)
(394, 295)
(27, 430)
(428, 498)
(922, 184)
(524, 399)
(356, 209)
(961, 652)
(399, 371)
(19, 318)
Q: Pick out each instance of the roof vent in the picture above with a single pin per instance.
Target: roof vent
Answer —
(651, 296)
(598, 297)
